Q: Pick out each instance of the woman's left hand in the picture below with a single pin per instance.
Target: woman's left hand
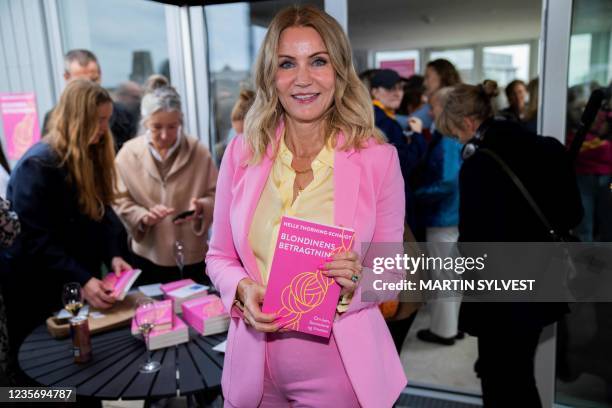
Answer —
(345, 268)
(119, 265)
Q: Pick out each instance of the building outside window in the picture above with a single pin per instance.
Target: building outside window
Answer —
(129, 38)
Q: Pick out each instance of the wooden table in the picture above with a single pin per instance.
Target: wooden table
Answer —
(113, 372)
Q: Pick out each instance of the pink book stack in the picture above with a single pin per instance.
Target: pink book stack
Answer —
(169, 330)
(121, 284)
(206, 315)
(303, 297)
(182, 290)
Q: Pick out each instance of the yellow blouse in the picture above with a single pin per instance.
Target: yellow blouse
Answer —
(315, 203)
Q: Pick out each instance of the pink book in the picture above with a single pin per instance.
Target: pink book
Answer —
(304, 298)
(206, 315)
(170, 286)
(121, 284)
(164, 316)
(160, 338)
(183, 290)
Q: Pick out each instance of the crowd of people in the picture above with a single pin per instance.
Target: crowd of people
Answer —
(398, 158)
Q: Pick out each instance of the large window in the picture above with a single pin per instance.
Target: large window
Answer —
(584, 360)
(234, 35)
(506, 62)
(580, 61)
(462, 58)
(129, 38)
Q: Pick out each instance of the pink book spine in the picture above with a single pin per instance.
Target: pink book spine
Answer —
(165, 315)
(192, 319)
(297, 291)
(169, 287)
(122, 282)
(178, 325)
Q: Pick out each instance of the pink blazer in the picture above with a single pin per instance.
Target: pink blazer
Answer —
(369, 197)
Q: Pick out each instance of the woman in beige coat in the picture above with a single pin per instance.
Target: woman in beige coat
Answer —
(164, 173)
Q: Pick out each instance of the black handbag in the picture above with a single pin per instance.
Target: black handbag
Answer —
(569, 272)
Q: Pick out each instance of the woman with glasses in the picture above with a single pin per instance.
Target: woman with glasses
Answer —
(167, 180)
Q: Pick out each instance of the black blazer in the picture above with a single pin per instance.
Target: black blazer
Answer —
(492, 209)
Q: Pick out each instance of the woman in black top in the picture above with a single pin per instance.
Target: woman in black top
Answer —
(62, 189)
(492, 209)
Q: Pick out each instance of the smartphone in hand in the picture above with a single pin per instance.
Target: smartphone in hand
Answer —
(183, 215)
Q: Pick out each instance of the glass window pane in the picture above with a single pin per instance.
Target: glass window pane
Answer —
(584, 360)
(234, 34)
(580, 52)
(506, 63)
(406, 63)
(463, 59)
(129, 38)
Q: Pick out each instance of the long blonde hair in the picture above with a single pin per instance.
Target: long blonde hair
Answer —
(350, 113)
(91, 167)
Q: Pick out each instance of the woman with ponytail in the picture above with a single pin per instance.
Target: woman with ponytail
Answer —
(493, 209)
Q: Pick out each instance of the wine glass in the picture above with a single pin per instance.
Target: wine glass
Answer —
(146, 316)
(72, 298)
(179, 255)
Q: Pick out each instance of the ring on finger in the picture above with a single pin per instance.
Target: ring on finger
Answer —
(354, 278)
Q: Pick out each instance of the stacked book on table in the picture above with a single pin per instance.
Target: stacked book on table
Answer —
(206, 315)
(204, 312)
(168, 329)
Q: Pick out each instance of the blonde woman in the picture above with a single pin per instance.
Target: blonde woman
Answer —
(310, 150)
(62, 189)
(163, 173)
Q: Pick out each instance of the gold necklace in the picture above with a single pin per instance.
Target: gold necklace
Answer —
(297, 173)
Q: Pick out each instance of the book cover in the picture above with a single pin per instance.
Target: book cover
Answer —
(206, 315)
(188, 291)
(170, 286)
(121, 284)
(182, 290)
(304, 298)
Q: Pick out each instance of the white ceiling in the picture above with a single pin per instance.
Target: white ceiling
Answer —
(405, 24)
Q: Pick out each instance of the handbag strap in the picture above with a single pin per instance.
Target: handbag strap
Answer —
(528, 197)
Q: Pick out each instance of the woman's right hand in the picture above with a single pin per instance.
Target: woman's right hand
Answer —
(251, 294)
(156, 214)
(97, 294)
